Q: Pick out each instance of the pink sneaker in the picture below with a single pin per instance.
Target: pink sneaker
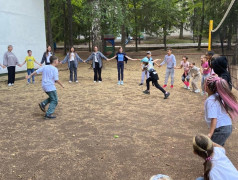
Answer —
(172, 86)
(164, 86)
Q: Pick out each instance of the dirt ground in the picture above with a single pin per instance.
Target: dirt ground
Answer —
(155, 135)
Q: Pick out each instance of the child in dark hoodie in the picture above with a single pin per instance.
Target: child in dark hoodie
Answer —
(220, 67)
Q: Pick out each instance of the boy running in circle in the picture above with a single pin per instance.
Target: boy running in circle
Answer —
(195, 73)
(153, 76)
(185, 76)
(170, 60)
(50, 76)
(30, 60)
(205, 72)
(121, 57)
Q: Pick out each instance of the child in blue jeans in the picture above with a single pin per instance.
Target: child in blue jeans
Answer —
(121, 58)
(30, 60)
(49, 78)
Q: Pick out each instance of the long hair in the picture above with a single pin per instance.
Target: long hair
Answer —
(203, 147)
(47, 50)
(226, 97)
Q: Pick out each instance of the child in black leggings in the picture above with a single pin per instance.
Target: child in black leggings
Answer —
(153, 76)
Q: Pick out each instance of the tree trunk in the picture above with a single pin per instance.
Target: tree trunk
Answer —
(123, 37)
(165, 37)
(70, 22)
(194, 22)
(96, 28)
(181, 31)
(136, 25)
(65, 29)
(201, 29)
(49, 38)
(89, 41)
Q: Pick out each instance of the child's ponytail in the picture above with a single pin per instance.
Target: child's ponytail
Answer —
(203, 147)
(227, 98)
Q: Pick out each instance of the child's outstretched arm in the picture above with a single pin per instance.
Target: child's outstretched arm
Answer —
(111, 58)
(2, 66)
(23, 63)
(38, 63)
(132, 59)
(180, 67)
(58, 82)
(213, 127)
(79, 58)
(33, 74)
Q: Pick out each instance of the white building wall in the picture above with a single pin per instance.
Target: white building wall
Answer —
(22, 24)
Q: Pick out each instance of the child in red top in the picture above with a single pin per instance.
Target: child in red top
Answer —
(185, 76)
(205, 72)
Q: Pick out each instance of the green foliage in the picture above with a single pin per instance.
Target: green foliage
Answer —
(155, 17)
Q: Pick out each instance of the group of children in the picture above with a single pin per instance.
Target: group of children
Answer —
(221, 106)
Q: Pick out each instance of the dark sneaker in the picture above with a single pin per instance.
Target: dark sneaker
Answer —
(166, 95)
(42, 107)
(141, 84)
(50, 116)
(146, 92)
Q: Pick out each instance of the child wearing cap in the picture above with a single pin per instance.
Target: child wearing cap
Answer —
(160, 177)
(121, 57)
(144, 71)
(153, 76)
(170, 60)
(29, 61)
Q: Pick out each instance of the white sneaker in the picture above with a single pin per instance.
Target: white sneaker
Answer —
(188, 88)
(12, 84)
(70, 81)
(99, 81)
(9, 84)
(76, 81)
(197, 91)
(185, 87)
(119, 83)
(202, 93)
(94, 81)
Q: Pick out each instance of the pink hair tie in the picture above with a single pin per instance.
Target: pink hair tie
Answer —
(209, 158)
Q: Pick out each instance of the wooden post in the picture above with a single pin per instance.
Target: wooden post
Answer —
(210, 35)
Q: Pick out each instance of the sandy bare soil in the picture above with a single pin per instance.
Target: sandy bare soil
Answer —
(155, 135)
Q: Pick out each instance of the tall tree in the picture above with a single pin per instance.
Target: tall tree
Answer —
(49, 38)
(202, 24)
(96, 25)
(70, 22)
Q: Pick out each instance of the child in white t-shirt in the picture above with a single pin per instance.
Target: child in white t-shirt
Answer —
(217, 165)
(220, 108)
(50, 76)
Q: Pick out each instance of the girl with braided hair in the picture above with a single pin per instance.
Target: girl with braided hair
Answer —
(217, 165)
(221, 108)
